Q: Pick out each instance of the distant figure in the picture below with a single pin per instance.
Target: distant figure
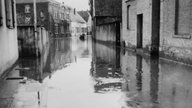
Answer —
(82, 37)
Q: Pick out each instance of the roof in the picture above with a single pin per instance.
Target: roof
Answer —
(76, 18)
(84, 14)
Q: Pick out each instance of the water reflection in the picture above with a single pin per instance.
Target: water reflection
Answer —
(56, 56)
(92, 74)
(154, 83)
(139, 72)
(106, 69)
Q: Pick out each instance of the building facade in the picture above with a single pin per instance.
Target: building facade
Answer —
(176, 30)
(140, 24)
(87, 17)
(106, 15)
(161, 26)
(78, 25)
(52, 20)
(8, 37)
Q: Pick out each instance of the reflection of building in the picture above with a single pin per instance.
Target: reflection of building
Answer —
(106, 68)
(152, 83)
(141, 80)
(62, 54)
(8, 37)
(36, 69)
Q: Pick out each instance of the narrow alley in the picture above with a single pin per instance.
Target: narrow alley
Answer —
(74, 73)
(95, 53)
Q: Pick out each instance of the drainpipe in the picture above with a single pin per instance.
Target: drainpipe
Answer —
(35, 26)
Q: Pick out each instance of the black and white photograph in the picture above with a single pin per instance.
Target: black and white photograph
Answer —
(95, 53)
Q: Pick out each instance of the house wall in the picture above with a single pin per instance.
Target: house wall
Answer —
(8, 43)
(174, 45)
(77, 28)
(129, 35)
(105, 18)
(106, 33)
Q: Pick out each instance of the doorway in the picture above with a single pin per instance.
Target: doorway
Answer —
(118, 33)
(140, 31)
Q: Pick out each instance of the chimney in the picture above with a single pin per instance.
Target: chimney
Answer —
(74, 11)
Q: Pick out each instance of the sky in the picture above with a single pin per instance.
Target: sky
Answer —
(78, 4)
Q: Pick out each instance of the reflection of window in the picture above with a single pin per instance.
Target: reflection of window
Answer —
(9, 8)
(27, 9)
(56, 29)
(1, 16)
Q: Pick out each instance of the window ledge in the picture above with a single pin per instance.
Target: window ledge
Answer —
(182, 36)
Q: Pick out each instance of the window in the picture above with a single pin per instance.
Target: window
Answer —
(128, 16)
(27, 9)
(9, 10)
(182, 17)
(1, 15)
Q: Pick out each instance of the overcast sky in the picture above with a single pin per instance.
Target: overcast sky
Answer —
(78, 4)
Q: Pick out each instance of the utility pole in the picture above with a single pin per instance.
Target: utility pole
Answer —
(35, 26)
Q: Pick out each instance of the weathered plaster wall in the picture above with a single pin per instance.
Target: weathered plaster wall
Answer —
(106, 33)
(175, 46)
(129, 35)
(8, 44)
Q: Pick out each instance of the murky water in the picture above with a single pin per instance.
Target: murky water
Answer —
(83, 74)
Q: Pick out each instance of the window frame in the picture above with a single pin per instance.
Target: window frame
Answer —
(10, 15)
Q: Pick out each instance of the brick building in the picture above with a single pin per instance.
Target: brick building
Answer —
(162, 26)
(106, 16)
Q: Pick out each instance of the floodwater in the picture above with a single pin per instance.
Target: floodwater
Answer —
(84, 74)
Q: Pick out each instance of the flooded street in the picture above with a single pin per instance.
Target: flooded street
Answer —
(84, 74)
